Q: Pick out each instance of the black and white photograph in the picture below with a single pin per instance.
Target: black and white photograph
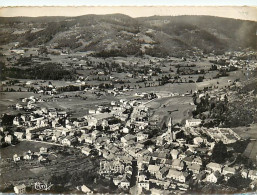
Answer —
(128, 99)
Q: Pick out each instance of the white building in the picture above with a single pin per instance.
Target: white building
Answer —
(85, 189)
(8, 139)
(213, 177)
(193, 122)
(21, 189)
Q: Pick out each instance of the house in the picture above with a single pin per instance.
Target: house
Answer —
(16, 121)
(181, 156)
(29, 136)
(213, 177)
(27, 156)
(141, 136)
(97, 119)
(168, 163)
(188, 160)
(55, 137)
(88, 139)
(193, 122)
(174, 154)
(107, 155)
(16, 158)
(228, 170)
(252, 174)
(8, 139)
(253, 184)
(42, 159)
(19, 135)
(141, 177)
(178, 164)
(42, 137)
(69, 141)
(53, 114)
(86, 151)
(85, 189)
(153, 169)
(43, 150)
(144, 185)
(91, 121)
(195, 168)
(20, 189)
(163, 183)
(160, 140)
(161, 174)
(145, 159)
(125, 130)
(197, 161)
(244, 173)
(127, 138)
(62, 114)
(214, 167)
(198, 140)
(81, 139)
(96, 134)
(177, 175)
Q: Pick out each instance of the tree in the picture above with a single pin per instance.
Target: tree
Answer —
(7, 119)
(200, 79)
(237, 181)
(219, 153)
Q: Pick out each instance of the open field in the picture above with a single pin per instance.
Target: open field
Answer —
(249, 132)
(23, 172)
(77, 105)
(223, 81)
(251, 151)
(11, 98)
(172, 88)
(179, 108)
(22, 147)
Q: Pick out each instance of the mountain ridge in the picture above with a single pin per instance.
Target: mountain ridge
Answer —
(119, 34)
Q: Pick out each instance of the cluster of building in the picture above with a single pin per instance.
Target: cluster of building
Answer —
(41, 156)
(131, 157)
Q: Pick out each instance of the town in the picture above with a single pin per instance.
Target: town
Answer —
(84, 123)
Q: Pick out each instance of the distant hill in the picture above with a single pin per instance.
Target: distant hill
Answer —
(121, 35)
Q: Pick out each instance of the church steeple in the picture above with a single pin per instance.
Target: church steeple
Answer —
(170, 133)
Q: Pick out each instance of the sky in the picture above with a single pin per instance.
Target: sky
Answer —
(236, 9)
(126, 2)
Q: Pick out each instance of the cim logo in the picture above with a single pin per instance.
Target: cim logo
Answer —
(43, 186)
